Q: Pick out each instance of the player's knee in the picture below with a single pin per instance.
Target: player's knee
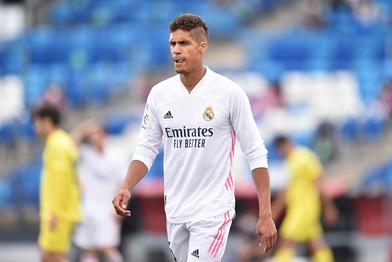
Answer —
(284, 255)
(52, 257)
(89, 257)
(113, 255)
(323, 255)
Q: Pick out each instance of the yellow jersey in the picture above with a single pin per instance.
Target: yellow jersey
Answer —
(302, 196)
(60, 191)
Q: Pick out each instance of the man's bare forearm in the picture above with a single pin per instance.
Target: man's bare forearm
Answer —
(262, 184)
(136, 171)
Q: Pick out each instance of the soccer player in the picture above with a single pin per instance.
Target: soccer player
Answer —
(198, 115)
(304, 201)
(59, 192)
(100, 169)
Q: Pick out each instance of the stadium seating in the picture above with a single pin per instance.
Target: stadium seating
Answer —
(379, 176)
(87, 41)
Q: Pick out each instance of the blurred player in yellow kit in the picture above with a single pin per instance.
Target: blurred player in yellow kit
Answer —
(59, 192)
(303, 200)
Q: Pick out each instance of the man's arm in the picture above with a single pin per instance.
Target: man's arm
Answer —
(150, 137)
(330, 211)
(265, 229)
(136, 171)
(252, 145)
(279, 205)
(79, 133)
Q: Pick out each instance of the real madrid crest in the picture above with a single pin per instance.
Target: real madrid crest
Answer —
(208, 114)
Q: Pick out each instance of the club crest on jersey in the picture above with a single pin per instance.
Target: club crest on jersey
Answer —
(208, 114)
(146, 121)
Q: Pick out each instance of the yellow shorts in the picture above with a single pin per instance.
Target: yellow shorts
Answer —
(59, 239)
(300, 229)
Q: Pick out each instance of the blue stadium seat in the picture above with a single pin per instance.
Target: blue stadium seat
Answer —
(349, 130)
(40, 42)
(35, 82)
(371, 48)
(24, 181)
(7, 133)
(81, 45)
(5, 193)
(305, 138)
(380, 176)
(25, 127)
(370, 80)
(102, 14)
(116, 123)
(13, 56)
(31, 181)
(373, 127)
(271, 70)
(62, 13)
(387, 70)
(374, 175)
(293, 52)
(121, 75)
(388, 170)
(2, 58)
(343, 54)
(58, 73)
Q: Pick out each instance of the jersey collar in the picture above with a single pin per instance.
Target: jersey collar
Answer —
(202, 84)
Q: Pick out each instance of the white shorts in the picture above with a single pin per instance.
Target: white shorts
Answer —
(203, 240)
(96, 232)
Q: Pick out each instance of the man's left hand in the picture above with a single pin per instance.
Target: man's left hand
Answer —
(266, 233)
(53, 223)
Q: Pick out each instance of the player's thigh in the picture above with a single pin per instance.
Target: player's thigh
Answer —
(83, 233)
(108, 232)
(48, 256)
(178, 237)
(56, 240)
(286, 243)
(208, 238)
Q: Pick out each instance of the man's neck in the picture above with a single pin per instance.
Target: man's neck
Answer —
(51, 130)
(191, 79)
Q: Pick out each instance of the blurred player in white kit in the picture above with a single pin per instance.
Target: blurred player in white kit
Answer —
(100, 169)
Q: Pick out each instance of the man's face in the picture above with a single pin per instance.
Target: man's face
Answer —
(96, 135)
(187, 52)
(39, 126)
(284, 149)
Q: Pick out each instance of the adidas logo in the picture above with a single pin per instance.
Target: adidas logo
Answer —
(168, 115)
(195, 253)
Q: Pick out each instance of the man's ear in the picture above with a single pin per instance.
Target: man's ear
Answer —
(203, 46)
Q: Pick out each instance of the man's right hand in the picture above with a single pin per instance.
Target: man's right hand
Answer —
(120, 202)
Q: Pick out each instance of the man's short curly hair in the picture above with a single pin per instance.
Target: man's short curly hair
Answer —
(188, 22)
(47, 111)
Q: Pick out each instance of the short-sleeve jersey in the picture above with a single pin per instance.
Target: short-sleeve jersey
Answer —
(60, 192)
(302, 194)
(198, 131)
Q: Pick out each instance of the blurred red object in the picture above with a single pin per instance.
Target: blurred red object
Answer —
(374, 215)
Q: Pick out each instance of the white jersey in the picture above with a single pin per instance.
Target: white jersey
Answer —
(198, 131)
(100, 175)
(100, 180)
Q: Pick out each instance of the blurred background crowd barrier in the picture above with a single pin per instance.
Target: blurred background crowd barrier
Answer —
(317, 70)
